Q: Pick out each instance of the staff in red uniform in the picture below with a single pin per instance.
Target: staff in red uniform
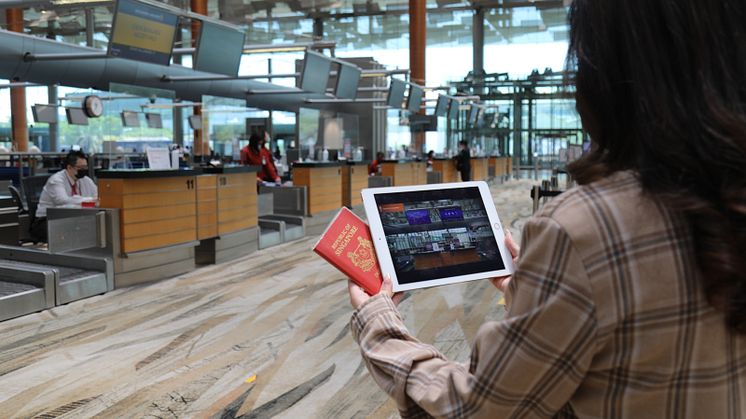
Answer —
(375, 165)
(256, 154)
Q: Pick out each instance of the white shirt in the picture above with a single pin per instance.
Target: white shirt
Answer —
(58, 192)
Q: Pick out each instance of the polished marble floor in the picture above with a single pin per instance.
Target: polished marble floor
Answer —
(263, 336)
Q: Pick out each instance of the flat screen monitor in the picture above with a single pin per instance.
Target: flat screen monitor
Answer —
(76, 116)
(416, 93)
(142, 32)
(130, 119)
(396, 93)
(348, 79)
(154, 120)
(441, 107)
(195, 121)
(315, 74)
(473, 114)
(219, 49)
(453, 109)
(45, 113)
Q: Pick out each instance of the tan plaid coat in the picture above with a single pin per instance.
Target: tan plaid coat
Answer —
(607, 319)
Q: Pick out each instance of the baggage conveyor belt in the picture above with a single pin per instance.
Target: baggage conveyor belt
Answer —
(32, 280)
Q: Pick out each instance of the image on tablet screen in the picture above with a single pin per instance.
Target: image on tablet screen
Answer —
(435, 234)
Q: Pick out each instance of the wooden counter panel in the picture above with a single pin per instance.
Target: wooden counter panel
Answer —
(157, 199)
(323, 187)
(152, 242)
(207, 206)
(155, 212)
(237, 202)
(130, 216)
(479, 169)
(447, 169)
(154, 228)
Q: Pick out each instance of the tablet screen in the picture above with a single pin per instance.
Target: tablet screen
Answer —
(434, 234)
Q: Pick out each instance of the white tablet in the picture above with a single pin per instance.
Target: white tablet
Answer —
(431, 235)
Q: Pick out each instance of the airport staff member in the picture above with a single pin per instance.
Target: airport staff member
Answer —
(70, 186)
(256, 154)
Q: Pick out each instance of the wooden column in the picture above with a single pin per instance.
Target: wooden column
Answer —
(14, 18)
(199, 146)
(417, 45)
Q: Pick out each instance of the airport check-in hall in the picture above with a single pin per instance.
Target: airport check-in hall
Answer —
(169, 170)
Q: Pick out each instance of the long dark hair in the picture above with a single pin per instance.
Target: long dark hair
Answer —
(254, 139)
(661, 89)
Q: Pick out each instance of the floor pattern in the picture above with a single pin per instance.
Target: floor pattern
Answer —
(263, 336)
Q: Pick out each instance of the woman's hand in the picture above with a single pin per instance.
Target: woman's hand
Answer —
(501, 283)
(358, 296)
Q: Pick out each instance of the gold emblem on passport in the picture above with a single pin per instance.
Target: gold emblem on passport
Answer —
(362, 257)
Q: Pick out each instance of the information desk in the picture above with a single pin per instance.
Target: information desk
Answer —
(447, 169)
(405, 173)
(354, 180)
(157, 207)
(323, 182)
(479, 168)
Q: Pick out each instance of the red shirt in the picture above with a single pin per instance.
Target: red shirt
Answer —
(373, 168)
(262, 158)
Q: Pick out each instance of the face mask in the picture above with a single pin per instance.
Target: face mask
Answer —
(81, 173)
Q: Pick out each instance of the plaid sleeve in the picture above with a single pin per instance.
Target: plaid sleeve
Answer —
(528, 365)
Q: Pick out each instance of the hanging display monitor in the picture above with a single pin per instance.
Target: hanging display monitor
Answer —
(441, 108)
(396, 93)
(195, 121)
(142, 32)
(130, 119)
(414, 100)
(315, 74)
(348, 78)
(219, 49)
(76, 116)
(154, 120)
(473, 114)
(453, 109)
(44, 113)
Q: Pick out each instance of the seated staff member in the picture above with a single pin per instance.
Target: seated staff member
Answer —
(256, 154)
(375, 165)
(69, 186)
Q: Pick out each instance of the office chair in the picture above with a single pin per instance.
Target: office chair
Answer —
(32, 187)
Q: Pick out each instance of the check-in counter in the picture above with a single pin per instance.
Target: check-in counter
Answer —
(447, 169)
(354, 180)
(323, 182)
(479, 168)
(498, 166)
(227, 213)
(157, 222)
(405, 173)
(157, 207)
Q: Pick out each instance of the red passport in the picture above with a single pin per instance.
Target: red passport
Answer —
(346, 244)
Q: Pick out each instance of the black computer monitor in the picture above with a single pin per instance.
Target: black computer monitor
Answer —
(348, 79)
(219, 49)
(441, 107)
(414, 100)
(154, 120)
(396, 93)
(76, 116)
(130, 119)
(142, 32)
(315, 74)
(44, 113)
(453, 109)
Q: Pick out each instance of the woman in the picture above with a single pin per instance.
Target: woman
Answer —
(463, 160)
(629, 297)
(257, 154)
